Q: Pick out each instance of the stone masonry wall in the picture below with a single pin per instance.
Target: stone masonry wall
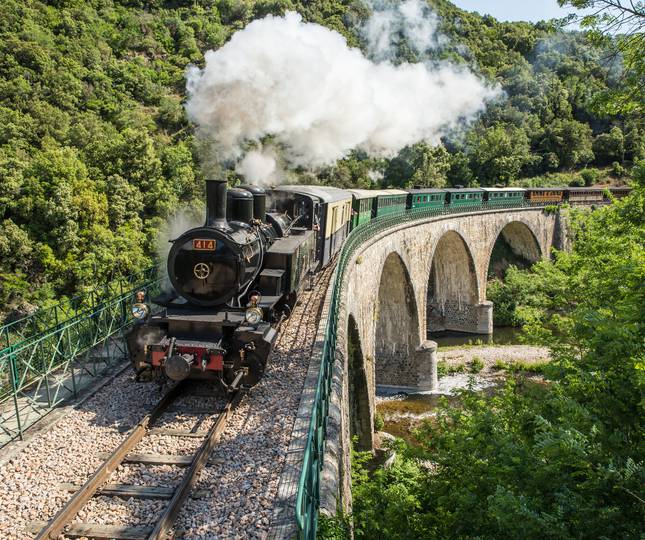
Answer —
(531, 231)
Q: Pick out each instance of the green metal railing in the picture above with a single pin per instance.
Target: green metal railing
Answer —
(52, 354)
(308, 495)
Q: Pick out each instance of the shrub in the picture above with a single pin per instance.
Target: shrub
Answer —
(590, 176)
(577, 182)
(458, 368)
(476, 365)
(618, 170)
(500, 364)
(333, 527)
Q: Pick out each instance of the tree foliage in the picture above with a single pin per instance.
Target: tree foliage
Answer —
(96, 151)
(618, 26)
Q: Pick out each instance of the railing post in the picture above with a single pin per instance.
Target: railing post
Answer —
(14, 389)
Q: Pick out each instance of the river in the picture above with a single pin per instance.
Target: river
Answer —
(478, 362)
(504, 335)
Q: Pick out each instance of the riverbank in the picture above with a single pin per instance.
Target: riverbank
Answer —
(480, 368)
(491, 357)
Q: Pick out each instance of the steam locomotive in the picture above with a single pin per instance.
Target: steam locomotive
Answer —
(235, 279)
(238, 276)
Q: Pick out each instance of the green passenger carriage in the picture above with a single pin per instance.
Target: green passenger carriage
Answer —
(363, 201)
(504, 196)
(426, 198)
(465, 197)
(391, 201)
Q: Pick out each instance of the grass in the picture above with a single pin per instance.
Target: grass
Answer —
(443, 368)
(537, 368)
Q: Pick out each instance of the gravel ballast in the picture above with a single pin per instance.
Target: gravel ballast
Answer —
(236, 489)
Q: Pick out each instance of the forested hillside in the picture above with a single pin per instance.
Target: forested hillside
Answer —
(96, 152)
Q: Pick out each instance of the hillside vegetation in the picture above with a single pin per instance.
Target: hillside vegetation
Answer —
(96, 152)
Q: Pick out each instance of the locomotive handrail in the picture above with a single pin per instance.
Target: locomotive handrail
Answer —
(308, 494)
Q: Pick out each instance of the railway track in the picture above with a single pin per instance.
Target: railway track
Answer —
(63, 522)
(79, 517)
(312, 306)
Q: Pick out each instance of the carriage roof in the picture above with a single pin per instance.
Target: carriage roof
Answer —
(324, 193)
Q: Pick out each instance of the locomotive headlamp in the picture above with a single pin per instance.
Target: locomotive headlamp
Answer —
(253, 315)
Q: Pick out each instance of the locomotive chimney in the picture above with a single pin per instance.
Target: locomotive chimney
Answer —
(216, 204)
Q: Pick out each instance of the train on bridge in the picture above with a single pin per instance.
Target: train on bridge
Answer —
(238, 276)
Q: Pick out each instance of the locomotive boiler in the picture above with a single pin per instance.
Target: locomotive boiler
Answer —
(233, 280)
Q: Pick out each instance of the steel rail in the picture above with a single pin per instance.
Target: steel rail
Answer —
(101, 475)
(167, 520)
(64, 517)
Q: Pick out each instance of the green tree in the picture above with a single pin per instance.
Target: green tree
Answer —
(499, 153)
(617, 25)
(571, 141)
(609, 147)
(419, 165)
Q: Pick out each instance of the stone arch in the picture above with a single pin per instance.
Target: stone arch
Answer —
(453, 293)
(518, 238)
(360, 420)
(396, 333)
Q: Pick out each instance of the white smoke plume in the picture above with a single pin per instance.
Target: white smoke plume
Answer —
(319, 99)
(412, 20)
(182, 220)
(375, 176)
(260, 167)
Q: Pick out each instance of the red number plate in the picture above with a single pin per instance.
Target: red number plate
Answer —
(204, 245)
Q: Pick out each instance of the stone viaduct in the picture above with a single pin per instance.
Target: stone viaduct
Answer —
(423, 275)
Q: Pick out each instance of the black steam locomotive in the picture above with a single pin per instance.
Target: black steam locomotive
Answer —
(235, 279)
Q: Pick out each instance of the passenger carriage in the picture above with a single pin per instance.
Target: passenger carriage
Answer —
(618, 192)
(509, 196)
(426, 198)
(542, 195)
(363, 205)
(464, 197)
(390, 201)
(585, 195)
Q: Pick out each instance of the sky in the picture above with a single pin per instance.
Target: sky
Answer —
(516, 10)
